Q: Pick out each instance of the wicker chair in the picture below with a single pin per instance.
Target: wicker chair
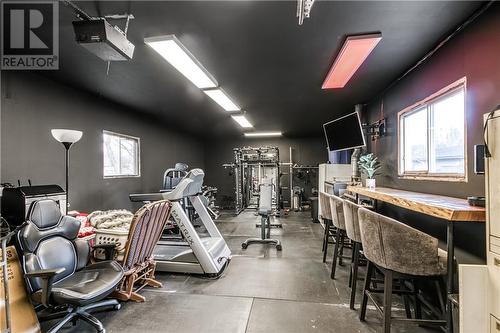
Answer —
(146, 229)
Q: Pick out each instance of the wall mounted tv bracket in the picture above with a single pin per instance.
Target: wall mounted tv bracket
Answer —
(376, 129)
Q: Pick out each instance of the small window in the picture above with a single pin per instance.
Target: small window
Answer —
(121, 155)
(432, 136)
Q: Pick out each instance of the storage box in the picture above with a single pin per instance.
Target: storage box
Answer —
(23, 316)
(110, 236)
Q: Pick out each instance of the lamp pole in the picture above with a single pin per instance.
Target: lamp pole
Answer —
(67, 137)
(67, 146)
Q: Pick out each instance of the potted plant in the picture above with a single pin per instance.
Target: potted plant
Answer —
(369, 166)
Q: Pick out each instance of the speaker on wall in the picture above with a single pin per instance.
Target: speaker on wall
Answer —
(479, 159)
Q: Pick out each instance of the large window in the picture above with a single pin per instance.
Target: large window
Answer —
(432, 136)
(121, 155)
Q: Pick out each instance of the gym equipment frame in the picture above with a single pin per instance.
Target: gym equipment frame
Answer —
(250, 167)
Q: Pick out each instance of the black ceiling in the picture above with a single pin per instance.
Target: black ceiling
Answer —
(269, 65)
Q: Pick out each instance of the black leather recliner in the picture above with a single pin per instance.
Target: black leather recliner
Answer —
(55, 261)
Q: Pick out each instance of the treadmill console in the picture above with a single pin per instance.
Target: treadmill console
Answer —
(190, 185)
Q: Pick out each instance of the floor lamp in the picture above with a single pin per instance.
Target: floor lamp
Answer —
(67, 138)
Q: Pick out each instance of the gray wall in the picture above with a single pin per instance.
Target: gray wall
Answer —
(306, 151)
(474, 53)
(33, 105)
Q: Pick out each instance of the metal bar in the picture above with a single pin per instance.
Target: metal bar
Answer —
(450, 278)
(119, 17)
(67, 178)
(79, 12)
(291, 179)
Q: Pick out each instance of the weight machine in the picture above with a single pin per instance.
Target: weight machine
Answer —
(300, 184)
(253, 166)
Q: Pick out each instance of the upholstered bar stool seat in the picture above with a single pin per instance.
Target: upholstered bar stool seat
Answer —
(354, 234)
(399, 252)
(326, 216)
(338, 219)
(399, 247)
(443, 261)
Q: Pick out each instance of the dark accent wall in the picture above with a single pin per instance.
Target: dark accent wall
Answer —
(475, 54)
(306, 151)
(32, 105)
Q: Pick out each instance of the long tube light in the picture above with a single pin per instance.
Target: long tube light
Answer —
(242, 121)
(172, 50)
(221, 98)
(352, 55)
(262, 134)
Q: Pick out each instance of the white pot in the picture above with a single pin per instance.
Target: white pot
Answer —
(370, 183)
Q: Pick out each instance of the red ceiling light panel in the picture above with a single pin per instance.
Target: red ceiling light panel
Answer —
(353, 53)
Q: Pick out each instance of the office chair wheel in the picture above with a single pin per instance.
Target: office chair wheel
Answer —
(117, 306)
(244, 245)
(278, 247)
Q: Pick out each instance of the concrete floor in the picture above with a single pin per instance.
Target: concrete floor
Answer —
(262, 290)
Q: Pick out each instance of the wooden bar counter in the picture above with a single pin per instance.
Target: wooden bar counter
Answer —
(447, 208)
(451, 210)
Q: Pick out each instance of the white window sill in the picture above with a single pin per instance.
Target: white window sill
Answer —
(122, 176)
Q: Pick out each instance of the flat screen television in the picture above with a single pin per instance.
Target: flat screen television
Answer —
(344, 133)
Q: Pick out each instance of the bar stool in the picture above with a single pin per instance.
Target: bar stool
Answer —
(326, 216)
(337, 209)
(354, 234)
(402, 253)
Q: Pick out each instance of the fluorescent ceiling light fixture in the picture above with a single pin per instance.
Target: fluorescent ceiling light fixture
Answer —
(172, 50)
(257, 134)
(221, 98)
(242, 121)
(352, 55)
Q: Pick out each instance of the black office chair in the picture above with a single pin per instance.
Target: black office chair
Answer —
(55, 267)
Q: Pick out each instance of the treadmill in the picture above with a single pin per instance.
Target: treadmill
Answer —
(208, 255)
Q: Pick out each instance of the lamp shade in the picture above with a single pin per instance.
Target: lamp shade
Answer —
(66, 135)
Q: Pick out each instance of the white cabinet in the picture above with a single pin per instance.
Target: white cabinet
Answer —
(494, 284)
(492, 173)
(480, 284)
(332, 173)
(473, 285)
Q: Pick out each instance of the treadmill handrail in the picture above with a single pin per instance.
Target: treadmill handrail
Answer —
(142, 197)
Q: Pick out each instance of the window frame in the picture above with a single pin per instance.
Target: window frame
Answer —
(426, 103)
(138, 161)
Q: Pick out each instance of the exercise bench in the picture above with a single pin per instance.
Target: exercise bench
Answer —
(265, 211)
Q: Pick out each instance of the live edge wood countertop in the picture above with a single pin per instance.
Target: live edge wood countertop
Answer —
(448, 208)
